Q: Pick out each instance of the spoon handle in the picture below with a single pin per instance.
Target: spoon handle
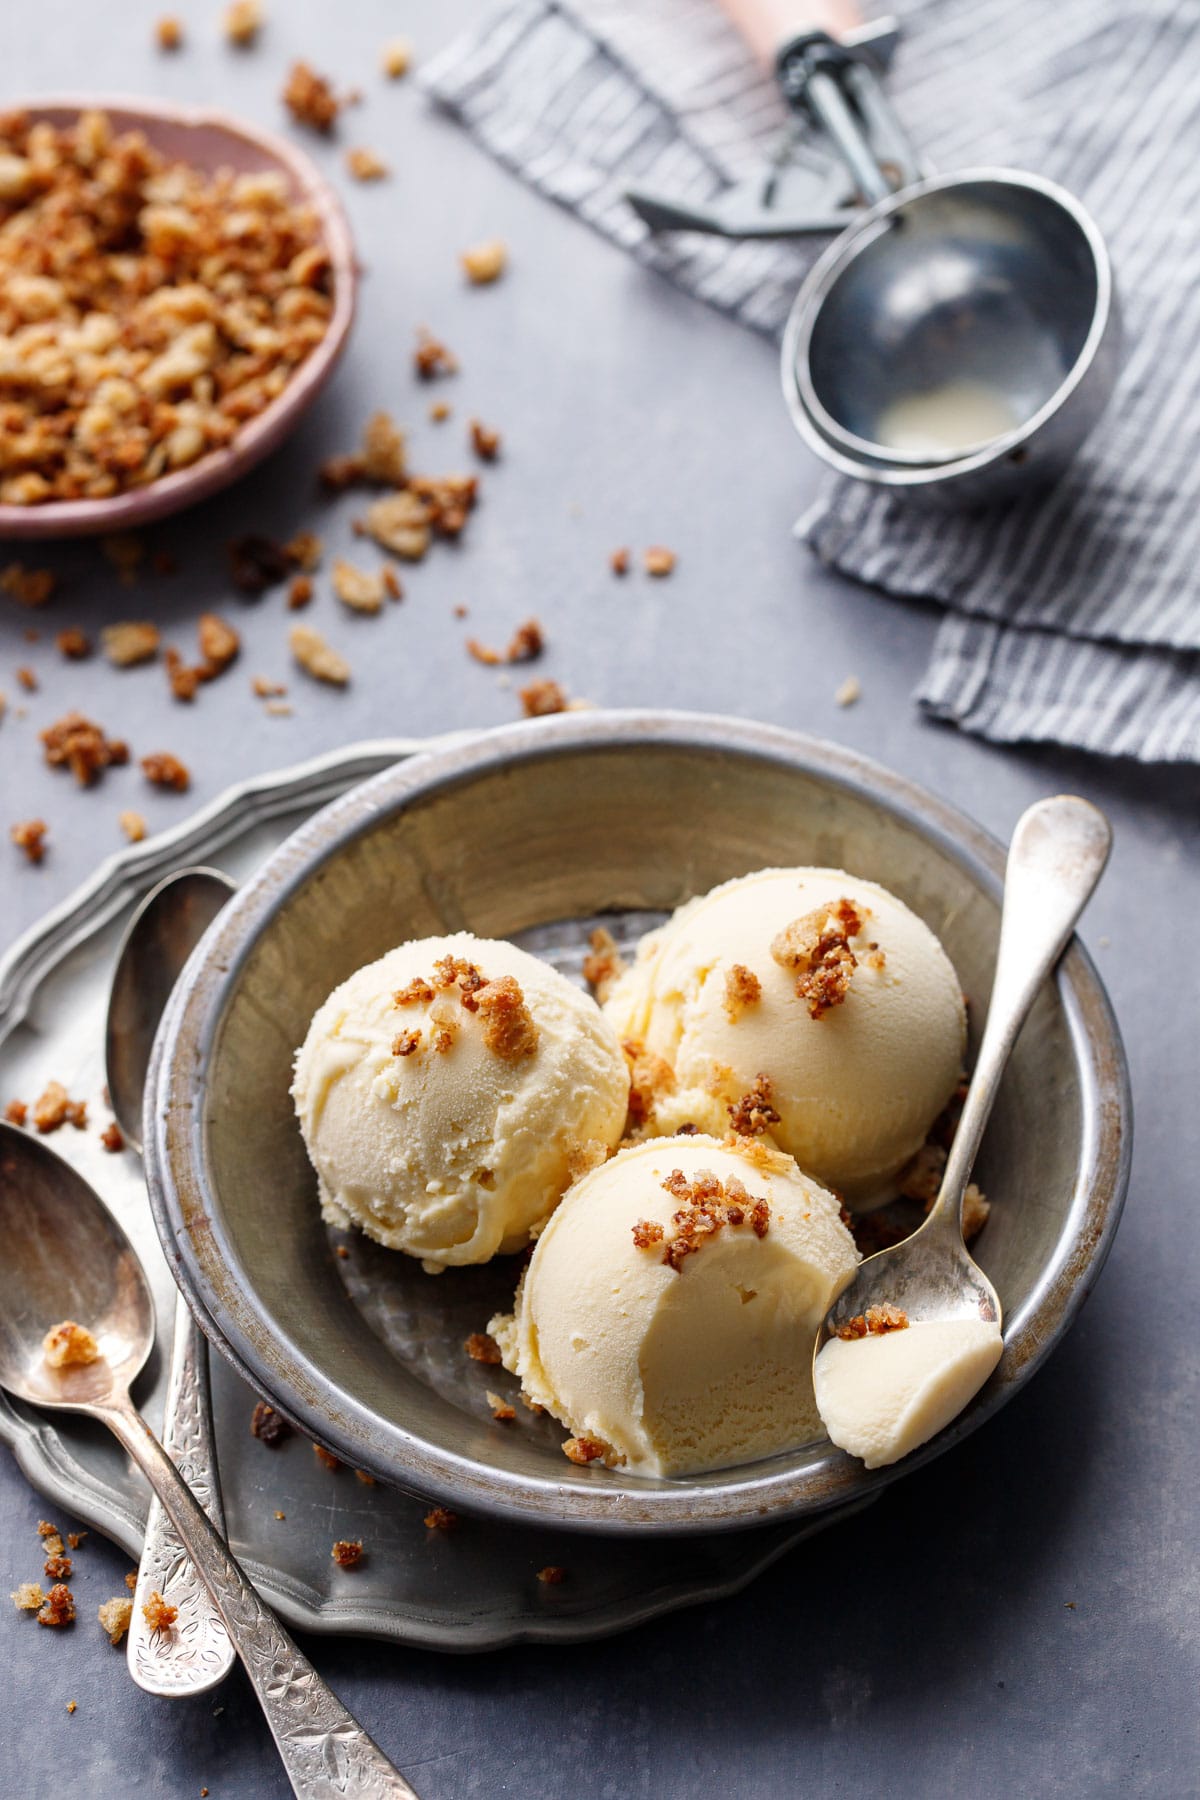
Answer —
(1056, 857)
(197, 1654)
(326, 1753)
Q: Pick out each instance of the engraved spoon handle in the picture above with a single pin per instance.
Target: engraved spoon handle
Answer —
(326, 1753)
(197, 1654)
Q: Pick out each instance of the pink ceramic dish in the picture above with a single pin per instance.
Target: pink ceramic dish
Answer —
(208, 140)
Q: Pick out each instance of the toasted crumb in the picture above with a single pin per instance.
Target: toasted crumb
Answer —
(448, 500)
(58, 1608)
(133, 825)
(131, 642)
(71, 1705)
(278, 709)
(68, 1346)
(540, 698)
(753, 1113)
(849, 691)
(439, 412)
(28, 1597)
(533, 1406)
(395, 59)
(347, 1553)
(650, 1077)
(552, 1575)
(28, 587)
(58, 1566)
(54, 1108)
(975, 1209)
(27, 679)
(365, 1476)
(29, 835)
(432, 358)
(158, 1613)
(74, 644)
(16, 1112)
(76, 743)
(362, 590)
(310, 98)
(484, 263)
(400, 523)
(440, 1518)
(742, 989)
(182, 678)
(270, 1427)
(257, 563)
(485, 441)
(366, 165)
(618, 561)
(406, 1043)
(131, 1580)
(502, 1410)
(267, 689)
(603, 964)
(112, 1137)
(508, 1028)
(326, 1458)
(525, 645)
(706, 1205)
(482, 1349)
(816, 948)
(658, 560)
(219, 644)
(875, 1322)
(300, 592)
(46, 1530)
(304, 551)
(242, 22)
(75, 1538)
(163, 770)
(168, 33)
(52, 1544)
(647, 1232)
(316, 657)
(280, 1515)
(586, 1448)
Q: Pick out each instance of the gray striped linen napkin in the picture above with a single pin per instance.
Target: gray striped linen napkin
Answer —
(1072, 616)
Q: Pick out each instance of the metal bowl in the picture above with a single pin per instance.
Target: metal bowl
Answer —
(529, 830)
(208, 140)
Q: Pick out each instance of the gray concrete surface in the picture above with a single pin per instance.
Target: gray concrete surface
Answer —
(1021, 1618)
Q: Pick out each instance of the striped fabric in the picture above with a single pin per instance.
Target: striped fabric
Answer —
(1074, 616)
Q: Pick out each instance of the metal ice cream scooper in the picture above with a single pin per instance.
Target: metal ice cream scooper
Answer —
(960, 337)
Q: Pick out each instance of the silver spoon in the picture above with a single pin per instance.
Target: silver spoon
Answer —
(1056, 857)
(65, 1256)
(158, 941)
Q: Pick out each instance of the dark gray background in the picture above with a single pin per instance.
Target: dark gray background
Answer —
(1021, 1617)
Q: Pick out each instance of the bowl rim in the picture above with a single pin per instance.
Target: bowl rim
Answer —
(189, 1225)
(266, 431)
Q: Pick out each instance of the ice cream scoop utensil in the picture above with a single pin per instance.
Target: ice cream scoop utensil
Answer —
(1057, 855)
(160, 937)
(66, 1257)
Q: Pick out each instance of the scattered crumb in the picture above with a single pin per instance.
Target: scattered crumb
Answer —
(27, 679)
(618, 562)
(485, 441)
(482, 1349)
(28, 1597)
(280, 1515)
(52, 1544)
(401, 523)
(257, 563)
(753, 1113)
(316, 657)
(647, 1232)
(158, 1613)
(649, 1078)
(310, 99)
(364, 1475)
(849, 692)
(16, 1112)
(219, 644)
(58, 1608)
(168, 33)
(406, 1043)
(816, 949)
(540, 698)
(54, 1108)
(502, 1410)
(182, 680)
(304, 551)
(76, 743)
(270, 1427)
(742, 989)
(278, 709)
(29, 835)
(658, 560)
(242, 22)
(74, 644)
(432, 358)
(71, 1705)
(68, 1346)
(300, 592)
(364, 590)
(112, 1137)
(46, 1530)
(525, 645)
(533, 1406)
(484, 263)
(440, 1518)
(587, 1448)
(552, 1575)
(875, 1322)
(133, 825)
(603, 964)
(131, 1580)
(365, 165)
(326, 1458)
(131, 642)
(267, 689)
(58, 1567)
(395, 59)
(28, 587)
(439, 412)
(347, 1552)
(163, 770)
(75, 1538)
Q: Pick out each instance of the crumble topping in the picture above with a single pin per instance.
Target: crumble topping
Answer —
(68, 1346)
(112, 1137)
(75, 1538)
(482, 1349)
(552, 1575)
(364, 590)
(114, 1616)
(648, 1232)
(877, 1321)
(58, 1567)
(508, 1028)
(583, 1158)
(29, 835)
(406, 1043)
(78, 744)
(502, 1410)
(53, 1108)
(540, 698)
(816, 948)
(416, 993)
(432, 358)
(603, 964)
(754, 1113)
(130, 642)
(310, 98)
(347, 1553)
(158, 1613)
(706, 1204)
(742, 989)
(484, 263)
(649, 1079)
(440, 1518)
(163, 770)
(658, 560)
(58, 1608)
(485, 441)
(270, 1427)
(526, 645)
(451, 970)
(16, 1112)
(27, 1597)
(586, 1448)
(316, 657)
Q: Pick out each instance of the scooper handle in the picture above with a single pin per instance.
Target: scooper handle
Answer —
(767, 25)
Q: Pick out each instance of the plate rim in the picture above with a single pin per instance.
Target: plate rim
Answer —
(175, 1152)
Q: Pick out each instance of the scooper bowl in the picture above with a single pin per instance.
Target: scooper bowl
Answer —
(959, 341)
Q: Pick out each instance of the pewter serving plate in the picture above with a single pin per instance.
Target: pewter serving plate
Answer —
(531, 832)
(475, 1589)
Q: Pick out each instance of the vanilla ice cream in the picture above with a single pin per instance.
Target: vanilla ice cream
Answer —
(881, 1396)
(450, 1092)
(669, 1310)
(825, 984)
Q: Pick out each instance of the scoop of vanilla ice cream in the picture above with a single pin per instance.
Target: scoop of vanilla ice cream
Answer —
(882, 1396)
(448, 1122)
(855, 1088)
(676, 1360)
